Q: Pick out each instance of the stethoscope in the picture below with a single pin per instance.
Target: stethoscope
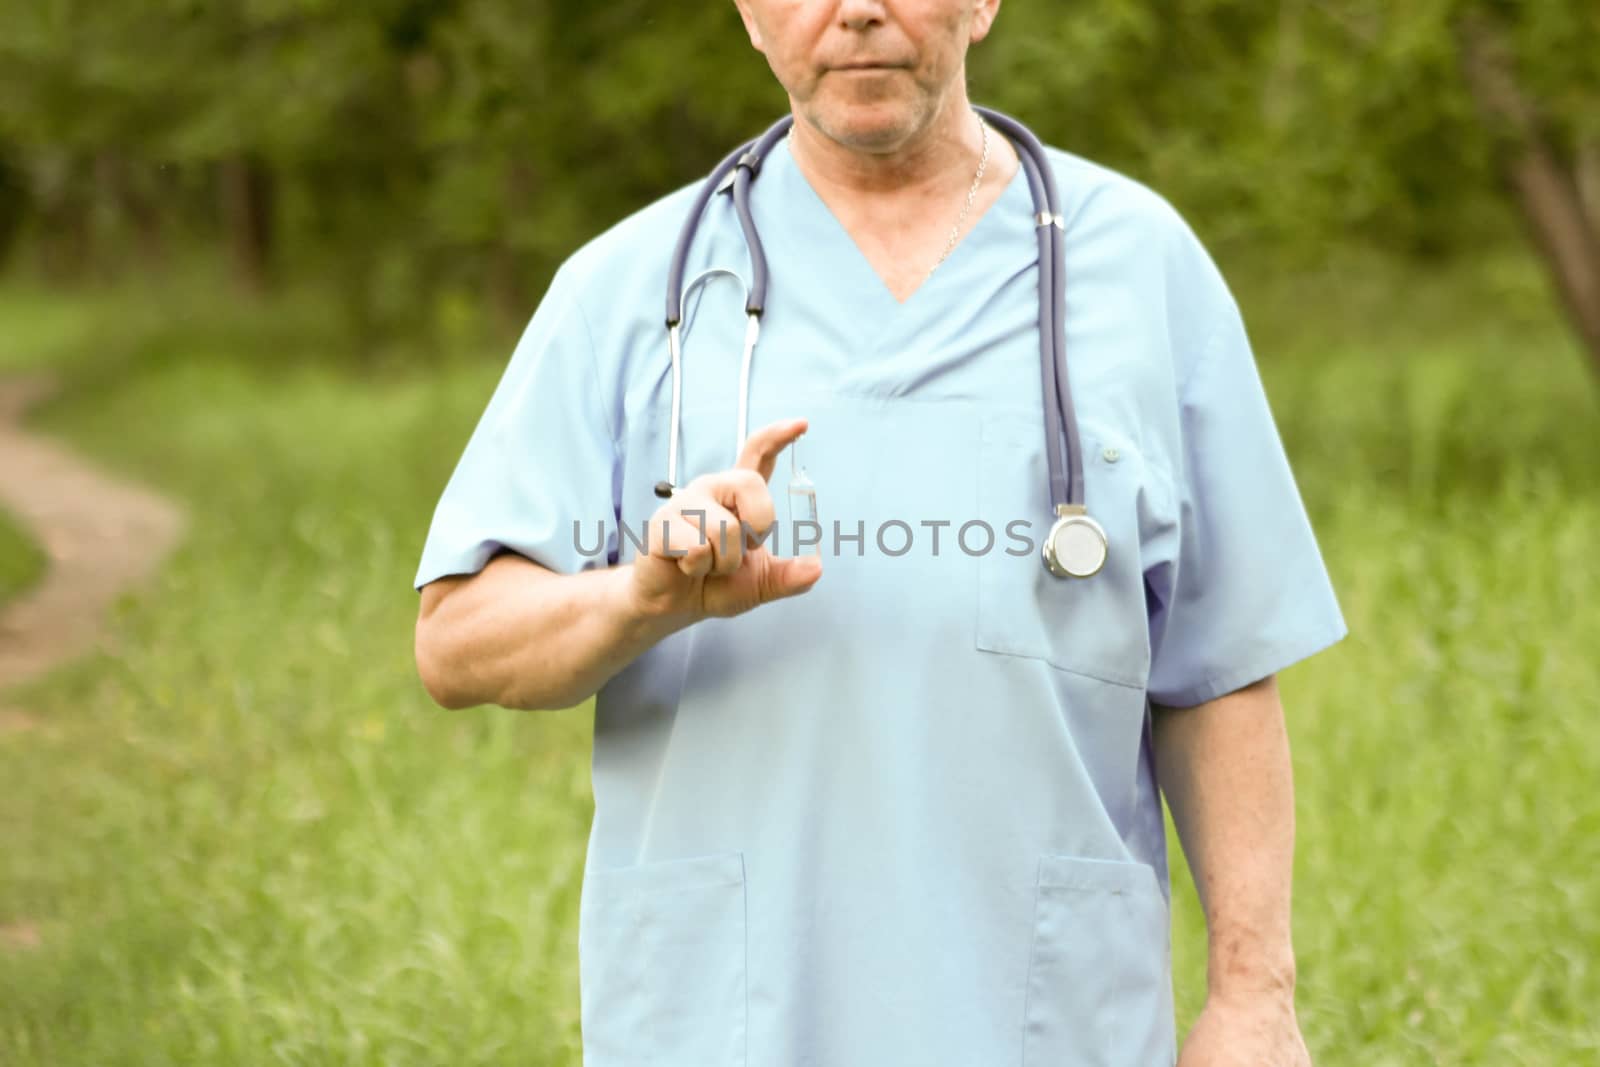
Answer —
(1076, 546)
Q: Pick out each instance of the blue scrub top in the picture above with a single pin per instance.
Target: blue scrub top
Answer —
(910, 817)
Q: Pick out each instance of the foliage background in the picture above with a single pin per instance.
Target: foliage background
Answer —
(420, 155)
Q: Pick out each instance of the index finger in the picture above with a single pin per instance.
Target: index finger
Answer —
(760, 453)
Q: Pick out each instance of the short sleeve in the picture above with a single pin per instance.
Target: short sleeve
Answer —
(539, 473)
(1249, 593)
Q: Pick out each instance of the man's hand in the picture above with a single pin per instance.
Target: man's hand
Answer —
(698, 562)
(1249, 1030)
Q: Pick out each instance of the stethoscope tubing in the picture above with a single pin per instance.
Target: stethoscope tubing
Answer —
(1049, 371)
(747, 166)
(1061, 424)
(1061, 421)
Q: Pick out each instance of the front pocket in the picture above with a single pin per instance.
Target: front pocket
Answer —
(1095, 626)
(661, 962)
(1099, 980)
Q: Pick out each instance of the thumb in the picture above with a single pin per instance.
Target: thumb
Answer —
(789, 576)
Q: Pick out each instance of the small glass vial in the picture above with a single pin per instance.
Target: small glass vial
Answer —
(803, 524)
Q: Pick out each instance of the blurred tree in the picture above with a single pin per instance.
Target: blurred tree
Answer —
(14, 196)
(1544, 135)
(1517, 85)
(550, 121)
(415, 153)
(1306, 121)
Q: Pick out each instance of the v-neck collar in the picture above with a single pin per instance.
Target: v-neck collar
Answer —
(813, 248)
(1007, 221)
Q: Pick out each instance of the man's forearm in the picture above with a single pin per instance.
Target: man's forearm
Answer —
(1224, 767)
(521, 636)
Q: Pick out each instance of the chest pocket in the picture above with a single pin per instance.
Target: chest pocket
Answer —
(1094, 626)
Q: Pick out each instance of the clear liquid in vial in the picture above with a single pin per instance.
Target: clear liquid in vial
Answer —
(803, 510)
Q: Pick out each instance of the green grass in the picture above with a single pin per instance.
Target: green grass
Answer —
(245, 836)
(21, 562)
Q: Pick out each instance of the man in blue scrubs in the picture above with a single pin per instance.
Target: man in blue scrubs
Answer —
(894, 801)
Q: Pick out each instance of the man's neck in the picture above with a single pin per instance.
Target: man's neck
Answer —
(942, 153)
(898, 205)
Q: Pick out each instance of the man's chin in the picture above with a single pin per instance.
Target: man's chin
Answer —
(879, 126)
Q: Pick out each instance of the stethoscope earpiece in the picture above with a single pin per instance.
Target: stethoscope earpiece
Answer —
(664, 490)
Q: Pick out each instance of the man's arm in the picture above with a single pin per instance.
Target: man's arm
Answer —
(1224, 767)
(521, 636)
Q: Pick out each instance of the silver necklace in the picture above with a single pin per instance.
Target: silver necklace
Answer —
(972, 193)
(977, 180)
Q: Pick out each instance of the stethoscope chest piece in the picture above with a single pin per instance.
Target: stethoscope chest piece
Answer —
(1076, 546)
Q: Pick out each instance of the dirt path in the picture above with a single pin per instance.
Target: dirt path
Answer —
(100, 536)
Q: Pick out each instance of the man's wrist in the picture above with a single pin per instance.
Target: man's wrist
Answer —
(1249, 964)
(641, 622)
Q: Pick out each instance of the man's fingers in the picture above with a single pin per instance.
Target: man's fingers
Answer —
(790, 576)
(702, 523)
(761, 448)
(745, 494)
(682, 542)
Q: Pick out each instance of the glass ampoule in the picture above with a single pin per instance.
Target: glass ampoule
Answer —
(802, 503)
